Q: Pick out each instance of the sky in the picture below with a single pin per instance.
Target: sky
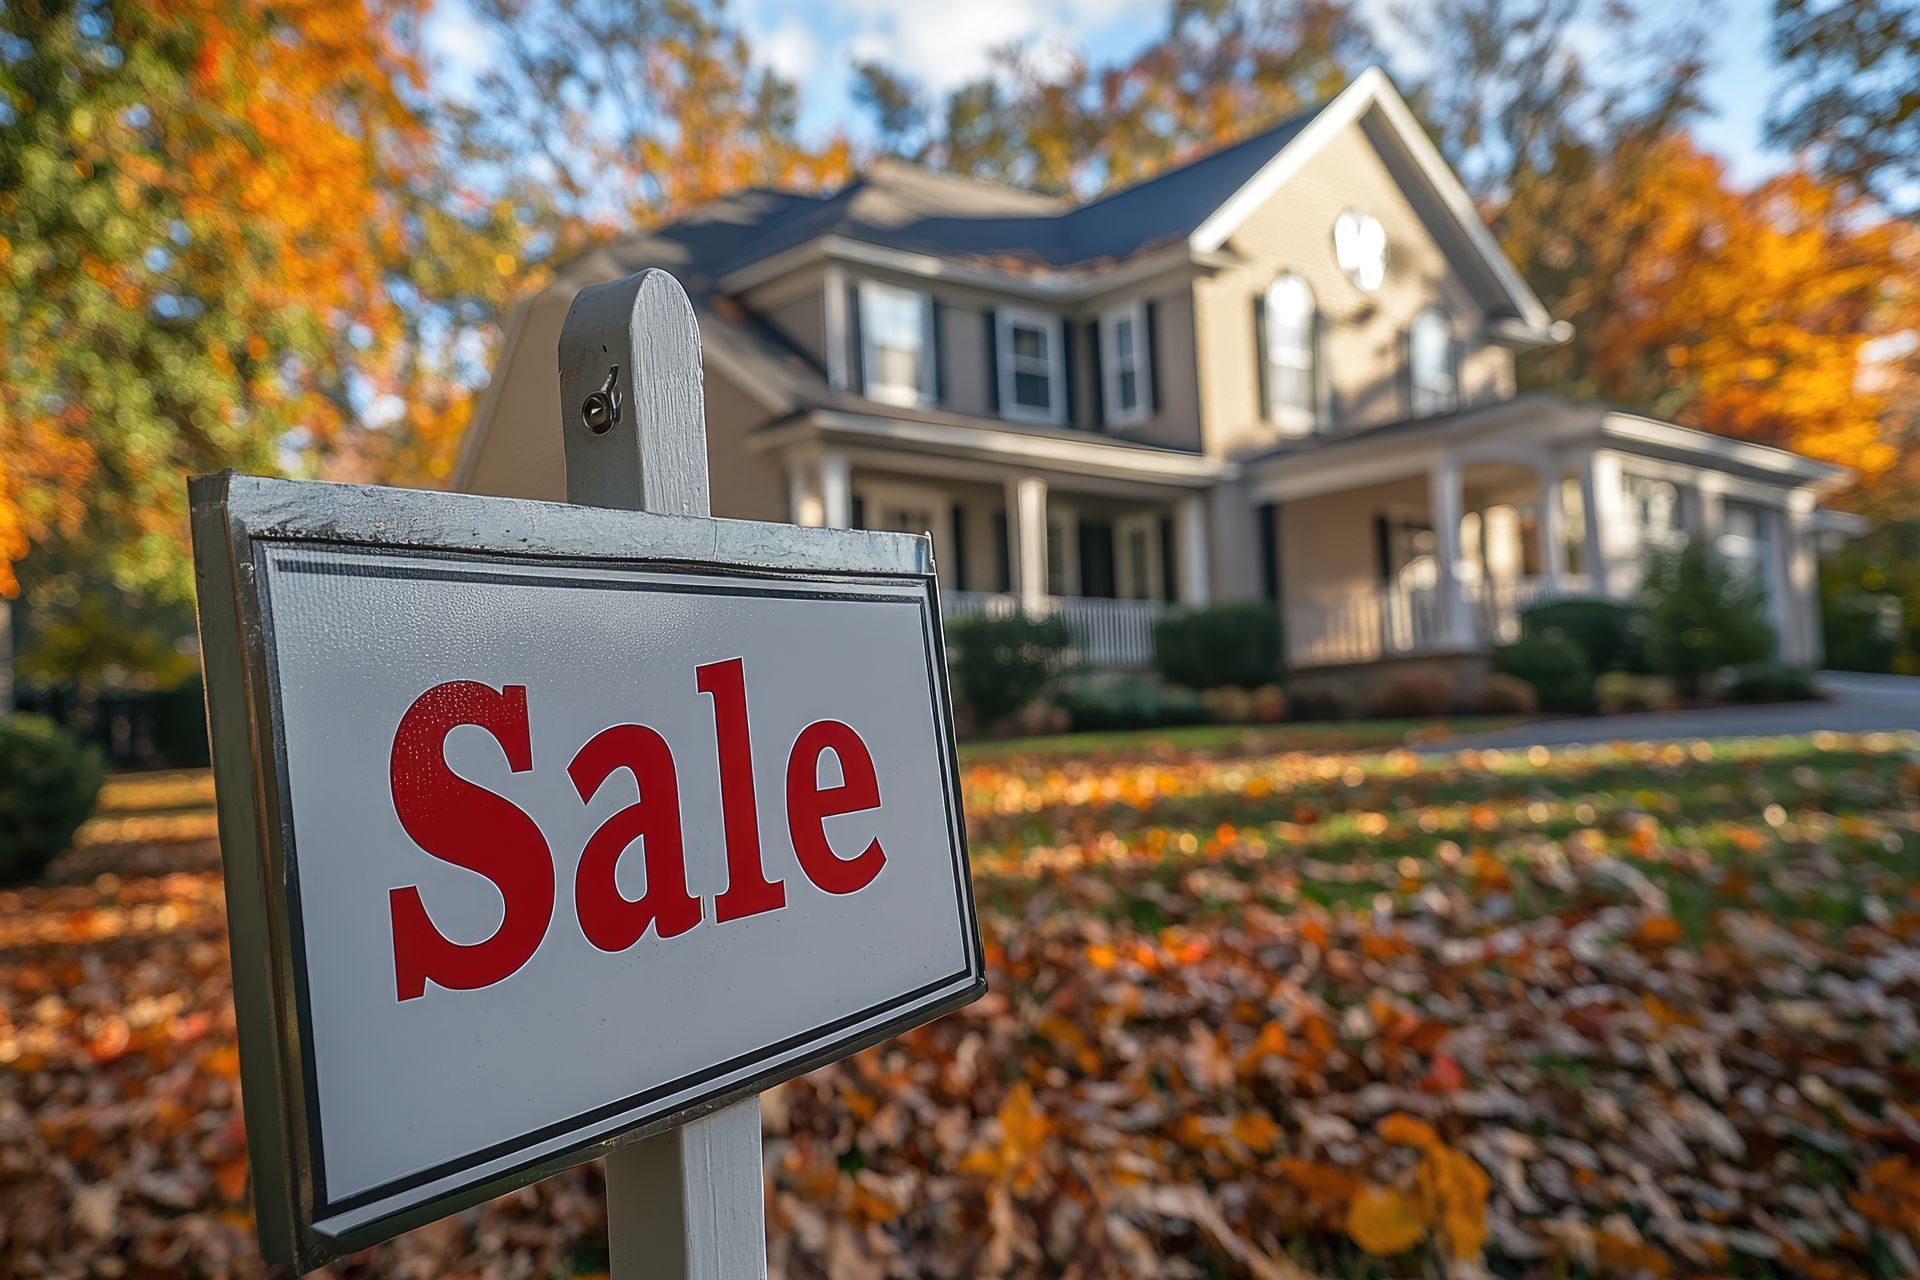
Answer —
(943, 43)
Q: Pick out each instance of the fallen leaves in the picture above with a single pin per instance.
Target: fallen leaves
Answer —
(1636, 1010)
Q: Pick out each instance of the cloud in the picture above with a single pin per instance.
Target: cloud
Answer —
(944, 45)
(790, 50)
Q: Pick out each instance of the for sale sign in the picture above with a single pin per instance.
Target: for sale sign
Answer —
(549, 825)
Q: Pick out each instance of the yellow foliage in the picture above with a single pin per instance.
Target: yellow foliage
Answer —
(1384, 1221)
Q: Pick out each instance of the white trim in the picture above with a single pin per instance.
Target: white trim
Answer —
(1048, 284)
(1372, 88)
(833, 324)
(1146, 524)
(1171, 467)
(1134, 312)
(886, 393)
(1049, 325)
(1761, 457)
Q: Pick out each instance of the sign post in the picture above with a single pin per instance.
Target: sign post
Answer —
(557, 831)
(690, 1203)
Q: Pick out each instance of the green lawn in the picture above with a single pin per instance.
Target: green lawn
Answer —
(1345, 735)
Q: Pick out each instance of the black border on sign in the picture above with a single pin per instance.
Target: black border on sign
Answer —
(589, 1130)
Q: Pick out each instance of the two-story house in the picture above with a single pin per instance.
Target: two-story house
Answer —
(1283, 370)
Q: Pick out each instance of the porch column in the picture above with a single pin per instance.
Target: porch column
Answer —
(803, 490)
(1552, 526)
(836, 490)
(1444, 509)
(1190, 547)
(1027, 529)
(1800, 640)
(1593, 547)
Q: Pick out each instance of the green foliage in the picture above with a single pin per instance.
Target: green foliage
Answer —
(999, 665)
(1870, 601)
(1225, 644)
(1701, 616)
(1094, 706)
(48, 783)
(1620, 692)
(1770, 682)
(1611, 634)
(1555, 666)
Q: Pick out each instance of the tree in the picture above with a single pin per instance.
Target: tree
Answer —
(598, 116)
(1850, 95)
(1221, 70)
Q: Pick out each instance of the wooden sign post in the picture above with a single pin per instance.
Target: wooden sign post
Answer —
(690, 1203)
(558, 831)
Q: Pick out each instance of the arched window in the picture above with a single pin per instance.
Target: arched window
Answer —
(1431, 364)
(1290, 317)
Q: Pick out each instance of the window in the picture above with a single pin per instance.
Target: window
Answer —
(1654, 507)
(1123, 364)
(1746, 541)
(1032, 386)
(896, 343)
(1430, 365)
(1292, 393)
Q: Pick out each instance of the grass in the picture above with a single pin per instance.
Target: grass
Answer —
(1342, 735)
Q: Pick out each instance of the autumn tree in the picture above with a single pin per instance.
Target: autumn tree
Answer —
(1850, 92)
(1219, 70)
(598, 116)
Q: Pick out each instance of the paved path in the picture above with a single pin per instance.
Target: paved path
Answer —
(1859, 704)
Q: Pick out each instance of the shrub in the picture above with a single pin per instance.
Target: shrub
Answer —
(1620, 692)
(1861, 631)
(1229, 704)
(1702, 616)
(49, 780)
(1130, 704)
(1227, 644)
(1505, 695)
(1611, 634)
(1323, 700)
(1771, 682)
(1413, 695)
(1269, 703)
(999, 665)
(1555, 666)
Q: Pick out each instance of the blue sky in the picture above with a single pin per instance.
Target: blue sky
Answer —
(945, 42)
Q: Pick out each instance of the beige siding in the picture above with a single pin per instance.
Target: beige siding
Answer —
(796, 306)
(521, 456)
(1176, 422)
(1327, 544)
(1364, 331)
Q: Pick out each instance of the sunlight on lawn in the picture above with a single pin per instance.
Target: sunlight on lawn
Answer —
(1582, 1013)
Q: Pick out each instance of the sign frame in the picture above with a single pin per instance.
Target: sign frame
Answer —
(234, 518)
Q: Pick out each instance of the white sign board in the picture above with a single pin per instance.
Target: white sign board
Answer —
(555, 825)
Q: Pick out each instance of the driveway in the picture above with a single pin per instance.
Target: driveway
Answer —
(1858, 704)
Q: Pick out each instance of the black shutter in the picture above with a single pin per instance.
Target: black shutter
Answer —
(855, 353)
(1169, 571)
(1067, 366)
(1383, 546)
(1269, 517)
(957, 553)
(1260, 355)
(1153, 356)
(1099, 422)
(857, 511)
(1406, 370)
(993, 362)
(1002, 550)
(934, 352)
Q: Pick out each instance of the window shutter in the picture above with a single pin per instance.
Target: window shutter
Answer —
(1406, 370)
(1068, 367)
(993, 361)
(1153, 357)
(1269, 516)
(1099, 378)
(1260, 355)
(957, 553)
(857, 511)
(934, 353)
(856, 354)
(1453, 354)
(1169, 567)
(1003, 550)
(1326, 414)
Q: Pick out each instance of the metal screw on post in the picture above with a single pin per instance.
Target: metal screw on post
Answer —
(688, 1204)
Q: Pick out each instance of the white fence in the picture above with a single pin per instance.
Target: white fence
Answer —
(1391, 622)
(1106, 633)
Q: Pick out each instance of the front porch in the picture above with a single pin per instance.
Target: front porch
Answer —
(1431, 539)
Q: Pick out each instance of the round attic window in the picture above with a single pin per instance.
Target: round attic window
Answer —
(1360, 247)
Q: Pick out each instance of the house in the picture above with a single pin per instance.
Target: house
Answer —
(1283, 370)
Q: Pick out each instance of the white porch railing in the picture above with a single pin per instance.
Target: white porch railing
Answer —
(1106, 633)
(1368, 625)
